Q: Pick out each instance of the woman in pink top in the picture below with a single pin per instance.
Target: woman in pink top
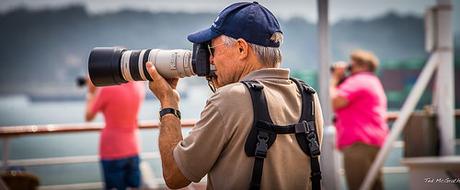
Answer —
(118, 145)
(360, 106)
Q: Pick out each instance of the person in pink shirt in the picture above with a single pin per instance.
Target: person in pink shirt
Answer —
(118, 145)
(360, 106)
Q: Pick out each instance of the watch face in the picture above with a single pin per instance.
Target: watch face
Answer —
(165, 111)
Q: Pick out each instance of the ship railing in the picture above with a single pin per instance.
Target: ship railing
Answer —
(153, 181)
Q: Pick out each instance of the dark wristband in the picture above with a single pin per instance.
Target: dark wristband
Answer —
(173, 111)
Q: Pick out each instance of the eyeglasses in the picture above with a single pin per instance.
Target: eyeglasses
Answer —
(211, 48)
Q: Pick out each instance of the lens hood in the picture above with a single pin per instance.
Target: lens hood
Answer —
(103, 66)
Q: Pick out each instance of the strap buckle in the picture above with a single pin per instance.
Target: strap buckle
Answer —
(255, 85)
(300, 128)
(262, 146)
(305, 127)
(308, 128)
(310, 89)
(316, 175)
(313, 145)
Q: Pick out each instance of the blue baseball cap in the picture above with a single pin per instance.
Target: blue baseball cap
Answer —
(250, 21)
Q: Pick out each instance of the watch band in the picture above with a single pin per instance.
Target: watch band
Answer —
(165, 111)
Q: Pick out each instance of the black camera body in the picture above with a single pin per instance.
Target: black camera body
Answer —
(200, 60)
(81, 81)
(347, 72)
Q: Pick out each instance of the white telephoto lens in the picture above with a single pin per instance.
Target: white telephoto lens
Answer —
(172, 63)
(140, 65)
(125, 65)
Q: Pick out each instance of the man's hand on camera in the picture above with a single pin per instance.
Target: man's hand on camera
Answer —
(164, 89)
(170, 127)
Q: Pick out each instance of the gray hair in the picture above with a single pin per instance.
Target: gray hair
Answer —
(269, 56)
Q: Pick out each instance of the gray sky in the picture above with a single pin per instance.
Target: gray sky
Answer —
(339, 9)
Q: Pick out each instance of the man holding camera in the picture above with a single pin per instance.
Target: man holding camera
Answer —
(360, 105)
(244, 46)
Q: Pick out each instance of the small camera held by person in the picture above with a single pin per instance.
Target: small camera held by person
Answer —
(81, 81)
(340, 71)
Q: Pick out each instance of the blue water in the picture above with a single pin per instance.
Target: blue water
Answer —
(19, 110)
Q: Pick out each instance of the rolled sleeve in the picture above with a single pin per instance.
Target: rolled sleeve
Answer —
(349, 89)
(101, 100)
(197, 153)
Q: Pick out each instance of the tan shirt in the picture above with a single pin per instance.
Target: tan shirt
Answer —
(215, 146)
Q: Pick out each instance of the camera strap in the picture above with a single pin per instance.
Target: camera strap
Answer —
(263, 132)
(211, 84)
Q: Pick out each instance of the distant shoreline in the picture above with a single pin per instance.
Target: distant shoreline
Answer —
(67, 98)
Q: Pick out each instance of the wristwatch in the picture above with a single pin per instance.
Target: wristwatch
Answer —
(165, 111)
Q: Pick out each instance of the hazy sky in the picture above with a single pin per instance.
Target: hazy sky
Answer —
(339, 9)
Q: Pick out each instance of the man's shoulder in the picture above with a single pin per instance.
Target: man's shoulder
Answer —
(233, 89)
(229, 94)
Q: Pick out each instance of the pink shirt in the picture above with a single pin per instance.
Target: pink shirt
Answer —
(120, 105)
(364, 118)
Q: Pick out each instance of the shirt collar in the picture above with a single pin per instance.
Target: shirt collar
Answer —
(363, 73)
(267, 73)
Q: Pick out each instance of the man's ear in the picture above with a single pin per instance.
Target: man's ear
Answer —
(243, 48)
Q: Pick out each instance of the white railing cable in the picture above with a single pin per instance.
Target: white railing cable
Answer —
(5, 153)
(69, 160)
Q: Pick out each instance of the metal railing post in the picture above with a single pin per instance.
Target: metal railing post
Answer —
(5, 152)
(444, 83)
(330, 160)
(329, 171)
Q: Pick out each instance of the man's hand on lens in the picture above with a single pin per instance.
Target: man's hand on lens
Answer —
(164, 89)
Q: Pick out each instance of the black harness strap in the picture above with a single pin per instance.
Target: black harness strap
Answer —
(256, 90)
(262, 136)
(263, 133)
(306, 134)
